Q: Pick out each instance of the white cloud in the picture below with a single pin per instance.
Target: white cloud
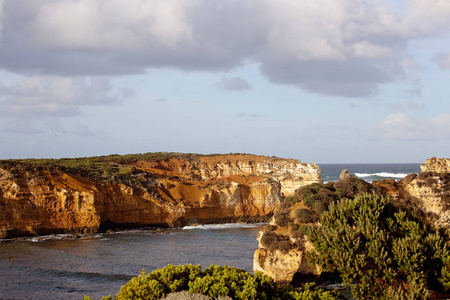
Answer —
(441, 124)
(443, 60)
(2, 16)
(57, 96)
(402, 127)
(335, 47)
(424, 17)
(116, 24)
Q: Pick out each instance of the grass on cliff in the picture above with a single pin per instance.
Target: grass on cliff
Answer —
(215, 282)
(98, 168)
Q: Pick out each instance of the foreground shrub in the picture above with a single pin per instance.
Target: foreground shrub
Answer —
(380, 250)
(215, 282)
(185, 295)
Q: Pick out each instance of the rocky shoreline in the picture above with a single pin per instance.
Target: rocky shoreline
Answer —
(87, 195)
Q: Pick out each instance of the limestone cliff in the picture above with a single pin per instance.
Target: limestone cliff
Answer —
(281, 254)
(282, 263)
(85, 195)
(283, 243)
(438, 165)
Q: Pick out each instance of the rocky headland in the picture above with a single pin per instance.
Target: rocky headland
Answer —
(85, 195)
(283, 243)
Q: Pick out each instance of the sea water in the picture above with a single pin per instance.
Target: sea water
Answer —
(369, 172)
(60, 267)
(64, 267)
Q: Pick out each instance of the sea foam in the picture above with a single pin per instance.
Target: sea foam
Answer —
(222, 226)
(381, 174)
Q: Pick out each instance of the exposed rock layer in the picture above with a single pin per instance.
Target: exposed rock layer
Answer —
(426, 193)
(168, 192)
(438, 165)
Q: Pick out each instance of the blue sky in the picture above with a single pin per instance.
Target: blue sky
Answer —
(325, 81)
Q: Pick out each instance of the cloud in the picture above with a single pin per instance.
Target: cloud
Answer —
(339, 48)
(82, 130)
(58, 96)
(2, 16)
(402, 127)
(234, 84)
(22, 126)
(407, 105)
(442, 60)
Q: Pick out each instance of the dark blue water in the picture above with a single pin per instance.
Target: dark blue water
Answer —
(98, 266)
(369, 172)
(64, 268)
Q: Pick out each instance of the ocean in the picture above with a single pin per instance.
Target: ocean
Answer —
(369, 172)
(64, 267)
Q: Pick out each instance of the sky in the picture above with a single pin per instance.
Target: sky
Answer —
(324, 81)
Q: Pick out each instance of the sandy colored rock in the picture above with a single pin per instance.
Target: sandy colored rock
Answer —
(281, 266)
(344, 174)
(170, 192)
(438, 165)
(426, 193)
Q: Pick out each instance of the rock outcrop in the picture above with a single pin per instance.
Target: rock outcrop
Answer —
(426, 193)
(46, 197)
(345, 174)
(282, 264)
(438, 165)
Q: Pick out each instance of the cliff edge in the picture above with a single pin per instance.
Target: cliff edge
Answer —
(85, 195)
(282, 243)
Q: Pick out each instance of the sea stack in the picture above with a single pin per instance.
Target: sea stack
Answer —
(345, 174)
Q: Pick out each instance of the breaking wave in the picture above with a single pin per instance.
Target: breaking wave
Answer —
(381, 175)
(222, 226)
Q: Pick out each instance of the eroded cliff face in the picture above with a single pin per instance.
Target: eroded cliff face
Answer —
(430, 190)
(426, 193)
(438, 165)
(281, 264)
(167, 192)
(290, 173)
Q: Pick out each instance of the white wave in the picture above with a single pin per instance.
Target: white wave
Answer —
(381, 174)
(222, 226)
(62, 236)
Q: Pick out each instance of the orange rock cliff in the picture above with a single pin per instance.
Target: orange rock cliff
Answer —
(426, 193)
(43, 198)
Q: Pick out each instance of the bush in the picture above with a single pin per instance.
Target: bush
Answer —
(215, 282)
(269, 227)
(268, 239)
(282, 218)
(290, 201)
(380, 250)
(303, 215)
(185, 295)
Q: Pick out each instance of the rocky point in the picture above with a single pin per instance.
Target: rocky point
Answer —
(90, 194)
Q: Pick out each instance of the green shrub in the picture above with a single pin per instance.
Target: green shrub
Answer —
(303, 215)
(215, 282)
(282, 218)
(380, 250)
(268, 238)
(269, 227)
(185, 295)
(290, 201)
